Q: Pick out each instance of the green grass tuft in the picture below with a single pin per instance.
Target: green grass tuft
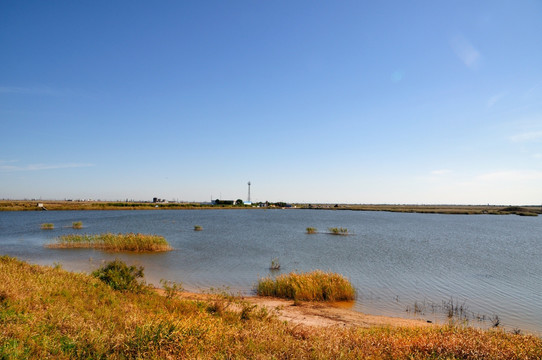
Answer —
(77, 225)
(120, 276)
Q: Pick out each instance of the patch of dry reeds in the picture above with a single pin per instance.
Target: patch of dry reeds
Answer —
(113, 242)
(312, 286)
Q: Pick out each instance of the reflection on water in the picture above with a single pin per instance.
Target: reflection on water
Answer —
(396, 261)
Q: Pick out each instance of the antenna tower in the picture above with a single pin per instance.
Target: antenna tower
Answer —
(248, 192)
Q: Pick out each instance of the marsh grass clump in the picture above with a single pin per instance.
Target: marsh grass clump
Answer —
(312, 286)
(311, 230)
(338, 231)
(113, 242)
(77, 225)
(198, 228)
(120, 276)
(275, 264)
(64, 315)
(47, 226)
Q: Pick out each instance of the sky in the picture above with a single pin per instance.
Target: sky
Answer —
(371, 102)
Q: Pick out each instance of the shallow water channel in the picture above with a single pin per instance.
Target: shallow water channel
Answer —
(479, 267)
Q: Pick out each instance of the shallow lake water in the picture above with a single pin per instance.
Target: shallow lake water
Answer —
(402, 264)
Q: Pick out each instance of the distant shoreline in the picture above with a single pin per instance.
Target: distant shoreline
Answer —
(60, 205)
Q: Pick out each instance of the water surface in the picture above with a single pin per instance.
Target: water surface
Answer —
(397, 261)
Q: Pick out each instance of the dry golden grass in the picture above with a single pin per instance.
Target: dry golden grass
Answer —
(113, 242)
(50, 313)
(312, 286)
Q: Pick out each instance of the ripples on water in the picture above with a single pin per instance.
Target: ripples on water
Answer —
(395, 260)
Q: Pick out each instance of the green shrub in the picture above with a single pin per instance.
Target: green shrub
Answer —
(120, 276)
(77, 225)
(47, 226)
(311, 230)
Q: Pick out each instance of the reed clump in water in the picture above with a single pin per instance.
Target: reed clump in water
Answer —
(113, 242)
(338, 231)
(64, 315)
(311, 230)
(275, 264)
(47, 226)
(198, 228)
(311, 286)
(77, 225)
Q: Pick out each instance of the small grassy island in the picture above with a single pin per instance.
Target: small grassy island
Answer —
(113, 242)
(47, 226)
(64, 315)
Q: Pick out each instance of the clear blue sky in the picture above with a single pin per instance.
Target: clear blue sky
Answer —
(423, 102)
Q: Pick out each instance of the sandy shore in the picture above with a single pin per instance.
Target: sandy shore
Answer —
(312, 313)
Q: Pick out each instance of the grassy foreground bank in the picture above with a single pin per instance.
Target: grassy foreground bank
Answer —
(47, 312)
